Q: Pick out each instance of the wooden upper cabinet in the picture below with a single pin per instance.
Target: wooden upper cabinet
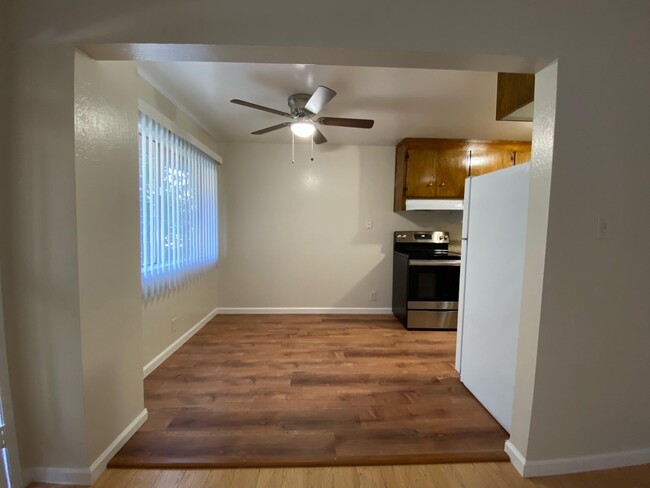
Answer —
(420, 173)
(451, 171)
(437, 168)
(430, 168)
(492, 156)
(487, 159)
(523, 155)
(515, 96)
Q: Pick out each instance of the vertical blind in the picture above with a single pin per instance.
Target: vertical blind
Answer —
(178, 209)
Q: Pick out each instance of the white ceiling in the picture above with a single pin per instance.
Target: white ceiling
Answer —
(403, 102)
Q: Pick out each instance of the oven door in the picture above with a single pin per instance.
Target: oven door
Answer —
(433, 286)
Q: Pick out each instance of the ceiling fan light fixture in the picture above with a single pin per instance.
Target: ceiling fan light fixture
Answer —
(303, 108)
(303, 129)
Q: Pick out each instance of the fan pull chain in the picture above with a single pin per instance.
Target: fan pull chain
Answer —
(312, 147)
(293, 148)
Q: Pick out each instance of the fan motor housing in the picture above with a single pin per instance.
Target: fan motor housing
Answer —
(297, 104)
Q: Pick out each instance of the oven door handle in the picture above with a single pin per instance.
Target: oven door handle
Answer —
(434, 262)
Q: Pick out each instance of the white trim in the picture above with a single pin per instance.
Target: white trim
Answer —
(99, 465)
(84, 476)
(516, 458)
(302, 310)
(173, 347)
(165, 121)
(592, 462)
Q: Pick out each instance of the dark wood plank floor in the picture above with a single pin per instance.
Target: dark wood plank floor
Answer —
(300, 390)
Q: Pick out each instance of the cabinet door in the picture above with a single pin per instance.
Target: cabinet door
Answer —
(452, 167)
(421, 173)
(486, 160)
(522, 156)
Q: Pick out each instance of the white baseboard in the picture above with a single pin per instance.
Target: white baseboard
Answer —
(87, 475)
(302, 310)
(516, 458)
(99, 465)
(173, 347)
(593, 462)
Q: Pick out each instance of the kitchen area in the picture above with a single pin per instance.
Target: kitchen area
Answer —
(472, 287)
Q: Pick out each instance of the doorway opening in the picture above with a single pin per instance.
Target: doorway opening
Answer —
(179, 416)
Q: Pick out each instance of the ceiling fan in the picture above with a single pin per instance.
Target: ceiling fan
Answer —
(304, 108)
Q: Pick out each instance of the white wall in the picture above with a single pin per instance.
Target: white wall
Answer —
(543, 132)
(592, 393)
(194, 301)
(591, 365)
(296, 233)
(108, 247)
(39, 264)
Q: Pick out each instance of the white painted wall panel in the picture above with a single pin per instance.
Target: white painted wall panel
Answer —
(108, 247)
(296, 234)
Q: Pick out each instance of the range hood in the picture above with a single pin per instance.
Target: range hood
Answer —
(433, 204)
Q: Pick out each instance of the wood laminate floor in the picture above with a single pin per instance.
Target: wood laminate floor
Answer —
(468, 475)
(310, 390)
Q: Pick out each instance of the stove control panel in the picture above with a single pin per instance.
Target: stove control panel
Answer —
(433, 237)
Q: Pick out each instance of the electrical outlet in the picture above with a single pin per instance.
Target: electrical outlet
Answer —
(373, 296)
(174, 325)
(369, 223)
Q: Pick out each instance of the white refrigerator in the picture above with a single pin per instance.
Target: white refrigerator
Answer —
(492, 269)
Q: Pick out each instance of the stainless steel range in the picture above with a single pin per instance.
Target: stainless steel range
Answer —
(425, 280)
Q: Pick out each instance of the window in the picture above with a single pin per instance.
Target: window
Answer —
(178, 209)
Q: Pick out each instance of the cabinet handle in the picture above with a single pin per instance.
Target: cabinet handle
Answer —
(430, 183)
(442, 184)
